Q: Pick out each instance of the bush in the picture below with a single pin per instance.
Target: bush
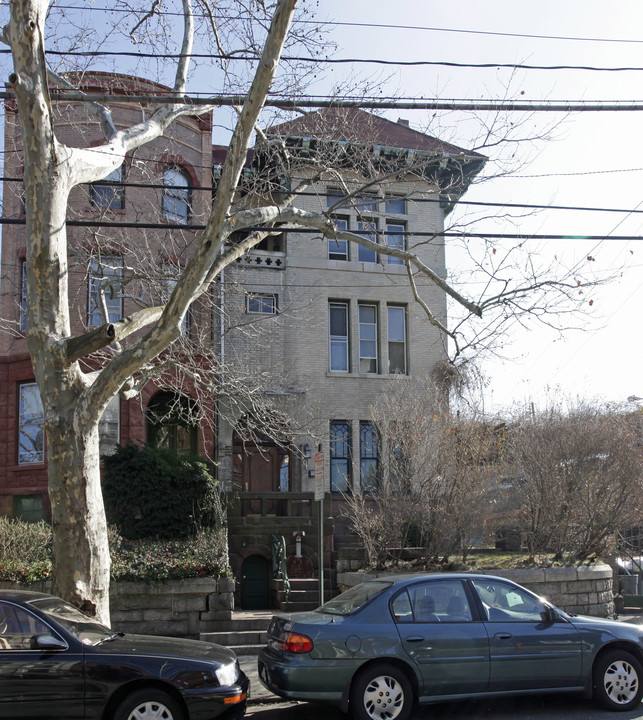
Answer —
(25, 550)
(155, 493)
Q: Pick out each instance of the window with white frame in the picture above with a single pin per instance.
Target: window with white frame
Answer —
(109, 427)
(177, 196)
(109, 193)
(338, 336)
(262, 304)
(368, 356)
(368, 455)
(31, 435)
(337, 248)
(396, 339)
(340, 455)
(22, 320)
(395, 239)
(369, 230)
(105, 284)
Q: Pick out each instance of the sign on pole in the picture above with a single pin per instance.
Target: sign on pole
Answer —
(319, 476)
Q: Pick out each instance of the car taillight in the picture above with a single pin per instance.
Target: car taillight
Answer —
(295, 643)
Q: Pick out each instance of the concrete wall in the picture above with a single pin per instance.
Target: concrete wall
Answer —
(585, 590)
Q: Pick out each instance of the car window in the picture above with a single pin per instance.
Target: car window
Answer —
(88, 630)
(17, 627)
(354, 598)
(503, 602)
(435, 601)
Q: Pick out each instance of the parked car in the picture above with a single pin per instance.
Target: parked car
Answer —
(385, 645)
(56, 662)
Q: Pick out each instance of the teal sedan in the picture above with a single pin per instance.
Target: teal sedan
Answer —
(386, 645)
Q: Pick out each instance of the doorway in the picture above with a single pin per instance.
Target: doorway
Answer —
(255, 583)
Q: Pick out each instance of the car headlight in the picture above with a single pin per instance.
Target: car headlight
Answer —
(228, 674)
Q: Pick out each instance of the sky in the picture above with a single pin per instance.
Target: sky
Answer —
(595, 159)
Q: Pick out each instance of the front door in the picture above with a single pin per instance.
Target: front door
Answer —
(255, 583)
(527, 651)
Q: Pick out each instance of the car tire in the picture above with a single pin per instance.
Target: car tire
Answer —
(618, 680)
(381, 692)
(149, 704)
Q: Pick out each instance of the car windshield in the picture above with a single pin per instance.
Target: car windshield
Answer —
(355, 598)
(88, 630)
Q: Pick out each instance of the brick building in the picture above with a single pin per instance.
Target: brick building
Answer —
(325, 322)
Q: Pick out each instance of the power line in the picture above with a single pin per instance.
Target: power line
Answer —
(360, 103)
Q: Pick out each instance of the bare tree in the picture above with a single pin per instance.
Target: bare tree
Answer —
(578, 478)
(431, 486)
(74, 393)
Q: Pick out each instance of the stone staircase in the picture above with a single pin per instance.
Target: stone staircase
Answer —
(246, 633)
(304, 595)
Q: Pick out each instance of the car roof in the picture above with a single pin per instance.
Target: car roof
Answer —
(22, 595)
(406, 578)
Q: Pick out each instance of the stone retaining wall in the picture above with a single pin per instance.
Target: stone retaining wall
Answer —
(180, 608)
(585, 590)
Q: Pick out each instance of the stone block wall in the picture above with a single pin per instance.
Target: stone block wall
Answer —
(584, 590)
(174, 607)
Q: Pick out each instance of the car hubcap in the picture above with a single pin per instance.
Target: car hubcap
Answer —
(621, 682)
(150, 711)
(383, 698)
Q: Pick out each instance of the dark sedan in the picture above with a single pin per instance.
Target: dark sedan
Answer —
(385, 645)
(56, 662)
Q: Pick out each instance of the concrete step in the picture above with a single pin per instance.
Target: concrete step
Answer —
(234, 625)
(300, 606)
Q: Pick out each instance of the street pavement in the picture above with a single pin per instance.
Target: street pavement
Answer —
(259, 694)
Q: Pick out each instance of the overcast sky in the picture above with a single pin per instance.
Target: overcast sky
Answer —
(596, 161)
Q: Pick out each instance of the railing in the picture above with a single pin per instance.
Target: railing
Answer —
(279, 571)
(274, 504)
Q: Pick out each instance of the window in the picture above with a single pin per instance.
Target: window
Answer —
(262, 304)
(22, 320)
(177, 197)
(509, 603)
(172, 423)
(396, 339)
(368, 230)
(31, 436)
(368, 339)
(395, 205)
(395, 239)
(333, 196)
(338, 332)
(18, 627)
(109, 427)
(338, 249)
(368, 455)
(28, 508)
(109, 192)
(105, 280)
(437, 601)
(366, 203)
(340, 455)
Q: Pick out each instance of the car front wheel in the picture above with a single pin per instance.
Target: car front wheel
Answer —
(149, 705)
(617, 680)
(381, 692)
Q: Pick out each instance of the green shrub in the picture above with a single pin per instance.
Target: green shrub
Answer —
(25, 550)
(155, 493)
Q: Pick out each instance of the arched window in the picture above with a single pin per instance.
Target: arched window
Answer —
(172, 423)
(177, 196)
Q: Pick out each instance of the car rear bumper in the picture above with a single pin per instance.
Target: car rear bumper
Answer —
(290, 677)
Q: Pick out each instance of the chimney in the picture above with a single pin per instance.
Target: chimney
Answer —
(403, 121)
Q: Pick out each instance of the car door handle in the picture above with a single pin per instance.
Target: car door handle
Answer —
(502, 636)
(414, 638)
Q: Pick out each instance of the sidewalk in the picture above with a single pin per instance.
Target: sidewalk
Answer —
(259, 694)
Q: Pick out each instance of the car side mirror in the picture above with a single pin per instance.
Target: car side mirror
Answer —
(47, 642)
(550, 614)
